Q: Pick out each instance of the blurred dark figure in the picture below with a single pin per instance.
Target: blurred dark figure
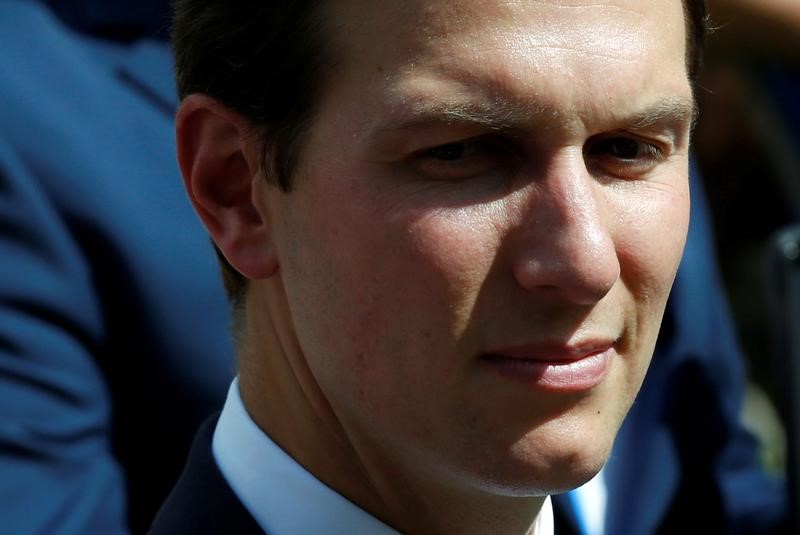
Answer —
(113, 325)
(748, 145)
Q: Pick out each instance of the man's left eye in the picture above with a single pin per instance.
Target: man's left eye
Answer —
(626, 148)
(626, 157)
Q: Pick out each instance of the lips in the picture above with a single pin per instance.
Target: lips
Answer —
(557, 367)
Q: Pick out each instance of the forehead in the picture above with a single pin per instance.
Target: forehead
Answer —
(555, 56)
(430, 19)
(620, 27)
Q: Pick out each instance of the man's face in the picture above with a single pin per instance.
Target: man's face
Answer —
(487, 219)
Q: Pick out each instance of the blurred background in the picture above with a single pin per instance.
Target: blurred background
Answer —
(747, 144)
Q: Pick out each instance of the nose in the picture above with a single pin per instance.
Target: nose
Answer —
(565, 246)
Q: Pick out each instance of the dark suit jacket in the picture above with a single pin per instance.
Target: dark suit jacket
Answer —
(113, 321)
(202, 503)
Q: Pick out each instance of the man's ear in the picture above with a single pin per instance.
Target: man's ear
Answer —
(219, 161)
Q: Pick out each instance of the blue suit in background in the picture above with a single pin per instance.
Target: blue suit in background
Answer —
(113, 321)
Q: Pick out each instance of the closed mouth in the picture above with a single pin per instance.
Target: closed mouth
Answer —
(563, 368)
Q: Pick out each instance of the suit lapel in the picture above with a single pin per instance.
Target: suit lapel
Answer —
(202, 502)
(566, 519)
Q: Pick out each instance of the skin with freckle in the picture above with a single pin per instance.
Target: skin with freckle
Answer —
(482, 181)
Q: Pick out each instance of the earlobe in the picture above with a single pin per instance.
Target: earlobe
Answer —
(219, 168)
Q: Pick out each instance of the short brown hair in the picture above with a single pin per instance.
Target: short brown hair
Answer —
(266, 59)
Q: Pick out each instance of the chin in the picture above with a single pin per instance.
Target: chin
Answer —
(572, 477)
(555, 481)
(559, 479)
(557, 462)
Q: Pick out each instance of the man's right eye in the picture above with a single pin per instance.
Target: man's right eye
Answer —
(452, 151)
(462, 160)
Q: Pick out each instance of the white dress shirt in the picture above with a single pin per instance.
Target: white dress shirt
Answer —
(282, 496)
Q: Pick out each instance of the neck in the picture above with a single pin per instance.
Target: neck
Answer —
(284, 400)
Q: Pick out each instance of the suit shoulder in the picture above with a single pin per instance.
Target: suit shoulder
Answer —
(202, 502)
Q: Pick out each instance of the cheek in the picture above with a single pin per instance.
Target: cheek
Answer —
(650, 248)
(453, 252)
(395, 296)
(650, 240)
(378, 287)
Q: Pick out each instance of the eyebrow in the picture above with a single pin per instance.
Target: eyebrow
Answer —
(503, 114)
(670, 110)
(495, 114)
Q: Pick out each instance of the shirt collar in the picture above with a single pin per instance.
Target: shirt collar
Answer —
(279, 493)
(274, 488)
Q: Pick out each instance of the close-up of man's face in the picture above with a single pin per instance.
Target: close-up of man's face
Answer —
(484, 225)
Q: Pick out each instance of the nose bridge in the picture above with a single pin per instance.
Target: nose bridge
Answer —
(569, 247)
(570, 195)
